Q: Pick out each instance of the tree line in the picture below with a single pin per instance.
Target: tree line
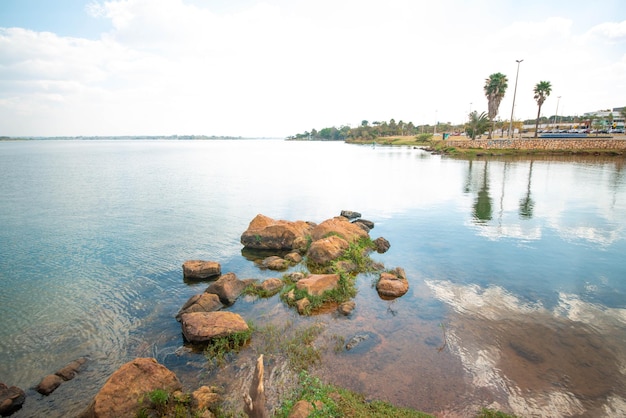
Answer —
(367, 131)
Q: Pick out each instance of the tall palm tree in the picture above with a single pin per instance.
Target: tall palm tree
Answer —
(495, 87)
(542, 90)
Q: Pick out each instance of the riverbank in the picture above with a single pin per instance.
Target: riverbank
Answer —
(463, 146)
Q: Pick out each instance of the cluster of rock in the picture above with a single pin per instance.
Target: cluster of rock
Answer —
(12, 398)
(203, 317)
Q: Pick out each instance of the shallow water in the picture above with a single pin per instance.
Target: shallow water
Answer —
(517, 297)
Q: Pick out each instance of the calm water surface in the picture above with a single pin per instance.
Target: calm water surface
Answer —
(517, 275)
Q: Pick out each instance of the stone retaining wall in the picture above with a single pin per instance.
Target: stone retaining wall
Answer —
(541, 143)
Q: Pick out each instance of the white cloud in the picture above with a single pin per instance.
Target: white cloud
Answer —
(279, 67)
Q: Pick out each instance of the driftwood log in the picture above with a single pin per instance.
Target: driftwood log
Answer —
(254, 400)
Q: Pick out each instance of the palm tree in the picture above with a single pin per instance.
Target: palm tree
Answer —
(542, 90)
(495, 87)
(477, 124)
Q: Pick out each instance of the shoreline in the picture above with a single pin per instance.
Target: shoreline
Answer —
(451, 146)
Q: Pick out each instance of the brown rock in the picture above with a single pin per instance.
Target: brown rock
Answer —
(392, 284)
(381, 245)
(199, 327)
(293, 257)
(364, 223)
(271, 286)
(325, 250)
(71, 370)
(266, 233)
(204, 397)
(275, 263)
(302, 408)
(296, 276)
(338, 226)
(317, 284)
(302, 305)
(346, 308)
(119, 397)
(202, 302)
(200, 270)
(11, 399)
(49, 384)
(228, 288)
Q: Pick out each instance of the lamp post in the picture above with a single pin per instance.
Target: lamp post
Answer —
(558, 99)
(514, 94)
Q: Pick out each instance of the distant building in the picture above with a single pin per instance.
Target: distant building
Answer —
(610, 118)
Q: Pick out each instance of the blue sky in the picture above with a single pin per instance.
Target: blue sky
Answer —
(279, 67)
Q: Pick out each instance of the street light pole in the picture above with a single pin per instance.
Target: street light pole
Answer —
(514, 94)
(558, 99)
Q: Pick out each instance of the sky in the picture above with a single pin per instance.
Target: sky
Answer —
(276, 68)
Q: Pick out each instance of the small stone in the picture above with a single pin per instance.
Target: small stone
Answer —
(302, 306)
(350, 214)
(49, 384)
(204, 397)
(11, 399)
(381, 245)
(275, 263)
(346, 308)
(293, 257)
(271, 286)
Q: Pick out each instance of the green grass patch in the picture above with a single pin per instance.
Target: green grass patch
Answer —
(221, 349)
(337, 402)
(293, 343)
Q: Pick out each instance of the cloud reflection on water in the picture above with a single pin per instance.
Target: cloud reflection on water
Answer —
(538, 362)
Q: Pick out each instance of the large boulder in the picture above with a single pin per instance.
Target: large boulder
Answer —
(201, 327)
(11, 399)
(317, 284)
(201, 270)
(120, 395)
(340, 226)
(228, 288)
(265, 233)
(203, 302)
(392, 284)
(325, 250)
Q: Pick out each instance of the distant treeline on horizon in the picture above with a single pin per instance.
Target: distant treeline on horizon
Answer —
(151, 137)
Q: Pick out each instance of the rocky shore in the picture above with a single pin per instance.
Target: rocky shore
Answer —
(329, 255)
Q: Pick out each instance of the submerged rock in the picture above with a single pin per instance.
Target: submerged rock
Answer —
(51, 382)
(276, 263)
(346, 308)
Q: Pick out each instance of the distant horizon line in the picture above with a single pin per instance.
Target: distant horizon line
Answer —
(95, 137)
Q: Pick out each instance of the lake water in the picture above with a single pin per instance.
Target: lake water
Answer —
(516, 266)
